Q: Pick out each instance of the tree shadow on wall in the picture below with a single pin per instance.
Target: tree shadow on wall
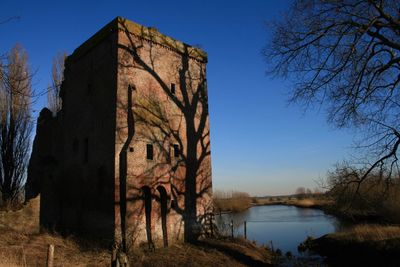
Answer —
(175, 122)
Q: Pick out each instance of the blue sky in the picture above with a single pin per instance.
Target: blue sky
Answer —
(259, 144)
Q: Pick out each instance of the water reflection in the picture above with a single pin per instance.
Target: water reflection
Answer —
(285, 226)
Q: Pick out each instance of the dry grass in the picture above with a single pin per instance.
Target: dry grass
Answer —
(25, 220)
(242, 247)
(363, 245)
(235, 202)
(266, 201)
(12, 256)
(368, 232)
(17, 248)
(302, 203)
(210, 252)
(310, 202)
(21, 244)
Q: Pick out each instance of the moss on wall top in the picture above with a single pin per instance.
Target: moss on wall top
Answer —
(147, 33)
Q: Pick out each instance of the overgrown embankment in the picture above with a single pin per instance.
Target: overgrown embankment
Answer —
(363, 244)
(208, 252)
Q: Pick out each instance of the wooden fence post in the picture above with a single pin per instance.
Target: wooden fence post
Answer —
(50, 256)
(232, 228)
(245, 230)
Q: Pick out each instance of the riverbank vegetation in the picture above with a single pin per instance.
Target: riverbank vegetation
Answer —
(369, 232)
(317, 201)
(362, 244)
(233, 201)
(375, 198)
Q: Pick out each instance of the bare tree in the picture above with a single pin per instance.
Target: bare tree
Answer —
(345, 55)
(57, 76)
(372, 196)
(15, 123)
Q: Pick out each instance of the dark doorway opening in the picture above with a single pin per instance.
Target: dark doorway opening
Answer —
(164, 210)
(147, 208)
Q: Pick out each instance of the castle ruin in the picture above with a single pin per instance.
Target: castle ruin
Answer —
(127, 159)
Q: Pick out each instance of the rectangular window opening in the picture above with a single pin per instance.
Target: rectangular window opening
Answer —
(172, 88)
(149, 151)
(177, 151)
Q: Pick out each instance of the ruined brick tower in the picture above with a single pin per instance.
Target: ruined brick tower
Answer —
(128, 156)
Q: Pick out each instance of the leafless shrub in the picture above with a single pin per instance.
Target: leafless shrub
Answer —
(375, 196)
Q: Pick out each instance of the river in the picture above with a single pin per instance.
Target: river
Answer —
(285, 226)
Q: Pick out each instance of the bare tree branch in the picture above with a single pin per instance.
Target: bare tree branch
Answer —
(345, 55)
(15, 123)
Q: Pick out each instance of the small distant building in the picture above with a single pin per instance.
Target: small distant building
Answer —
(129, 142)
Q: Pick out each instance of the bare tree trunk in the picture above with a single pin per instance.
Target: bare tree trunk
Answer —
(190, 184)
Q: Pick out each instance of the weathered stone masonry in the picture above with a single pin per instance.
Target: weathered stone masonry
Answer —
(128, 156)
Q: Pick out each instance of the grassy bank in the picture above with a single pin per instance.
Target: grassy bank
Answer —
(320, 203)
(22, 244)
(30, 249)
(18, 249)
(363, 244)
